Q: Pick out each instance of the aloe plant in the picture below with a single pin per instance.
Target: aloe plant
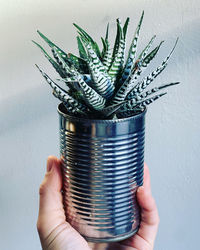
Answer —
(102, 84)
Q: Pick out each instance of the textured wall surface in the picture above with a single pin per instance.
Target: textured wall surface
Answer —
(29, 121)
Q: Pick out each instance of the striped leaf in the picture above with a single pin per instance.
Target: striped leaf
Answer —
(132, 53)
(130, 82)
(134, 103)
(125, 27)
(53, 63)
(101, 83)
(92, 98)
(129, 113)
(90, 40)
(148, 79)
(67, 103)
(148, 101)
(155, 89)
(93, 56)
(146, 49)
(109, 110)
(52, 45)
(79, 64)
(136, 72)
(118, 59)
(107, 58)
(87, 78)
(117, 38)
(82, 51)
(104, 41)
(104, 48)
(125, 88)
(73, 105)
(70, 85)
(98, 71)
(145, 82)
(65, 66)
(145, 62)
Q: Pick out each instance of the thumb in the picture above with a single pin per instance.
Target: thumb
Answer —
(51, 212)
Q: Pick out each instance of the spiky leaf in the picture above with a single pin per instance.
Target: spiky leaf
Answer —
(90, 40)
(82, 51)
(134, 103)
(132, 53)
(118, 58)
(92, 98)
(52, 45)
(148, 79)
(50, 59)
(125, 27)
(72, 105)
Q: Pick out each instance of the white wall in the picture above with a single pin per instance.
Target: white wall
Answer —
(29, 121)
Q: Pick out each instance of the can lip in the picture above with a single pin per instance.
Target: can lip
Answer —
(134, 117)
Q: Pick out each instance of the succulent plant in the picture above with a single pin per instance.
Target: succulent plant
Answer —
(101, 84)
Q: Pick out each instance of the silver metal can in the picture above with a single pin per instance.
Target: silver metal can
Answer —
(102, 166)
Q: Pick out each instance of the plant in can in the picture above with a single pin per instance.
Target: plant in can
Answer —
(102, 84)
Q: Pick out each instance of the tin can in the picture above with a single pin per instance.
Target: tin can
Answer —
(102, 167)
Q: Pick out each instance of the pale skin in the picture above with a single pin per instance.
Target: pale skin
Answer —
(57, 234)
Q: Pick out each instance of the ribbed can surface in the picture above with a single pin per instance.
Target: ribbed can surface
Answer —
(102, 164)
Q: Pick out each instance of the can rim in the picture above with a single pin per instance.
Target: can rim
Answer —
(134, 117)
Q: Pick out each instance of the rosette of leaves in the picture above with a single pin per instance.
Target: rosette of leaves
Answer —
(101, 84)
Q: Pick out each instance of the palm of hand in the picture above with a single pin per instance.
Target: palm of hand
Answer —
(56, 234)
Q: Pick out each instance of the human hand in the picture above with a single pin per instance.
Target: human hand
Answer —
(57, 234)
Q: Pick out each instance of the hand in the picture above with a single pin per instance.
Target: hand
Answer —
(57, 234)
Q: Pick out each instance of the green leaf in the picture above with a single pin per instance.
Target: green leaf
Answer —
(135, 103)
(118, 59)
(79, 63)
(117, 38)
(148, 79)
(104, 48)
(109, 110)
(101, 82)
(156, 89)
(92, 98)
(53, 63)
(82, 51)
(107, 57)
(52, 45)
(125, 27)
(146, 49)
(89, 38)
(145, 62)
(93, 56)
(136, 72)
(107, 30)
(129, 65)
(65, 66)
(72, 105)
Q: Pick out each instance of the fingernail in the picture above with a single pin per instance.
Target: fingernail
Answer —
(140, 189)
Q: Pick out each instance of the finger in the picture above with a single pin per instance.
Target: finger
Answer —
(51, 186)
(149, 212)
(144, 239)
(147, 181)
(51, 212)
